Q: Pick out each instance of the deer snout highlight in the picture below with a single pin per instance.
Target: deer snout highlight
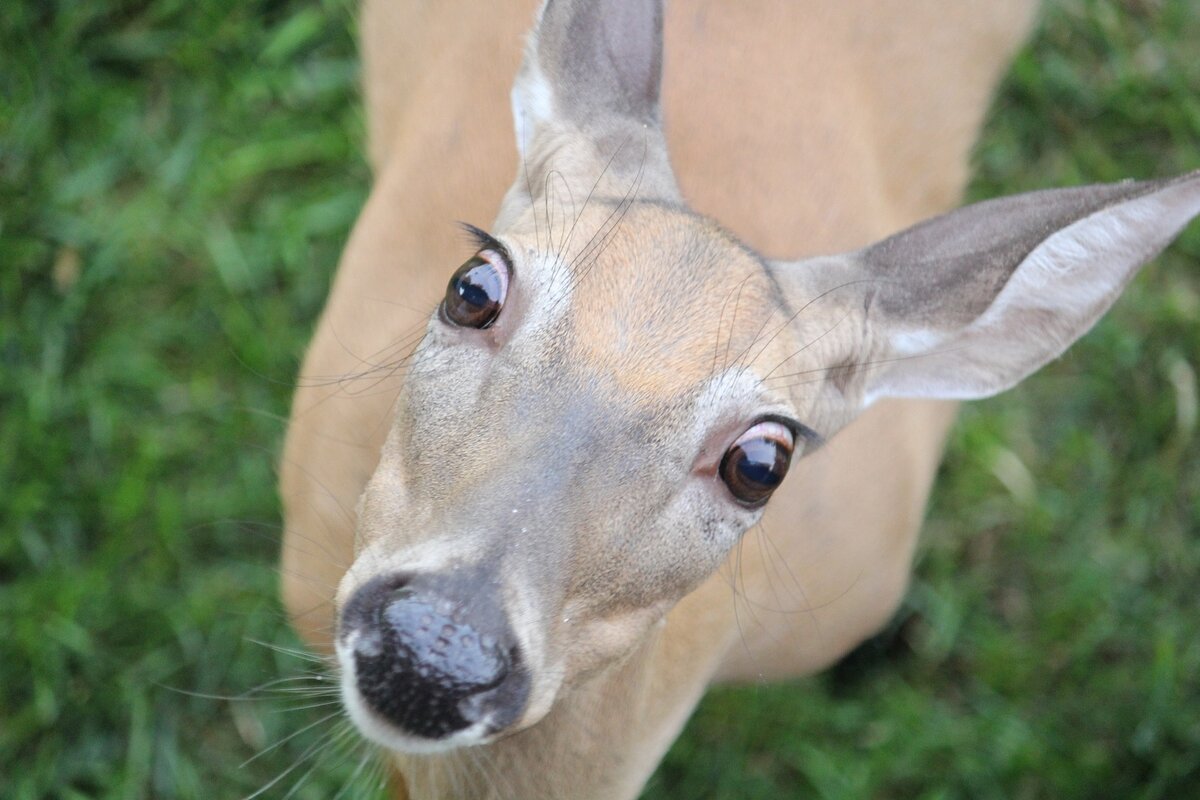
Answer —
(433, 658)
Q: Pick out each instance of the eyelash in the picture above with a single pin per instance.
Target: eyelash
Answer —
(800, 431)
(485, 241)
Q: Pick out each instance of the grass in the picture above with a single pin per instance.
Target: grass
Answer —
(176, 181)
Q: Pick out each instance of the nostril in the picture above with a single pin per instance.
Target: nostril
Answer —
(361, 614)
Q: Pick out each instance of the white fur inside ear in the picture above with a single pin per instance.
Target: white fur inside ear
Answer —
(1080, 266)
(532, 104)
(907, 343)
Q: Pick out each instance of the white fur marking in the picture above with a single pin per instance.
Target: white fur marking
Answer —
(532, 105)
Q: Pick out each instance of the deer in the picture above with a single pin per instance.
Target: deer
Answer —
(722, 287)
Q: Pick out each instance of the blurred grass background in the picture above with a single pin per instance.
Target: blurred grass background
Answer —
(177, 178)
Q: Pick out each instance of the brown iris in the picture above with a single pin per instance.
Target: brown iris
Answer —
(476, 291)
(755, 464)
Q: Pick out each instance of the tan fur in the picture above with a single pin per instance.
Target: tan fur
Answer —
(804, 127)
(656, 351)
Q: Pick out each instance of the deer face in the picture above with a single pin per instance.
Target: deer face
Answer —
(565, 466)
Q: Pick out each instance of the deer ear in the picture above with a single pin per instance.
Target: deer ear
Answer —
(590, 60)
(967, 304)
(587, 96)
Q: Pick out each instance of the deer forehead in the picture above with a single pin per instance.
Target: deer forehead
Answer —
(665, 303)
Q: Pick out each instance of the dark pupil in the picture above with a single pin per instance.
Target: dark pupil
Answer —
(761, 464)
(480, 286)
(474, 294)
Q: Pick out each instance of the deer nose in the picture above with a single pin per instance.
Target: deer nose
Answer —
(434, 655)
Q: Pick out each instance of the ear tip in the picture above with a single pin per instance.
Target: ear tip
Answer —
(1191, 183)
(1184, 190)
(1188, 179)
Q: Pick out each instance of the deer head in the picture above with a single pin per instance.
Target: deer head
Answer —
(614, 386)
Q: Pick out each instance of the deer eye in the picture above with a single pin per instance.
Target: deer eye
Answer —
(755, 464)
(477, 290)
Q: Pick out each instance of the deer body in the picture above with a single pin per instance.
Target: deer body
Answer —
(804, 128)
